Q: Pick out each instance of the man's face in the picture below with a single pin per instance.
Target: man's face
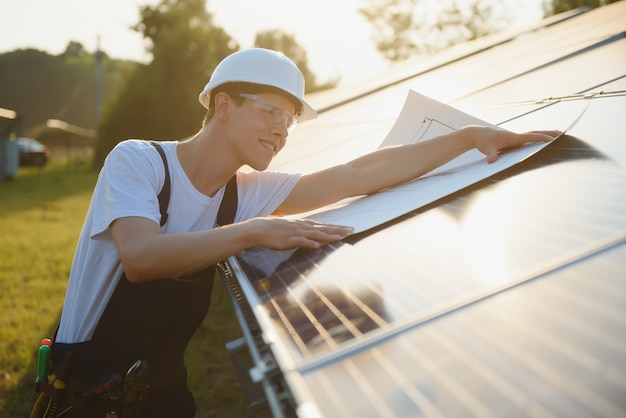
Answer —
(260, 127)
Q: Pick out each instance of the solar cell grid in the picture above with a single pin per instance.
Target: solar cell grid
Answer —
(324, 297)
(320, 312)
(539, 350)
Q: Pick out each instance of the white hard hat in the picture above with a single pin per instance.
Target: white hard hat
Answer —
(260, 66)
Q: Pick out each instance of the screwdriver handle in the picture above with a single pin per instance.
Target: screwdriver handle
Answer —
(43, 363)
(102, 386)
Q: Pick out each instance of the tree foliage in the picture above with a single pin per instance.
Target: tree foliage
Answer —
(288, 45)
(393, 21)
(403, 28)
(160, 100)
(40, 86)
(558, 6)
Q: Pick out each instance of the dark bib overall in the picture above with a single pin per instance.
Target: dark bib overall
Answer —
(151, 321)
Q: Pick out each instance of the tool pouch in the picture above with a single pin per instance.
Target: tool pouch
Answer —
(60, 393)
(69, 399)
(113, 396)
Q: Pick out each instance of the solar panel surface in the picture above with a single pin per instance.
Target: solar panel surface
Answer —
(503, 299)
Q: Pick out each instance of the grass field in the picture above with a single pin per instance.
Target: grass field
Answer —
(41, 214)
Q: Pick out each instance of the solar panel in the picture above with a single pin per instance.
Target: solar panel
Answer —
(351, 299)
(505, 298)
(543, 350)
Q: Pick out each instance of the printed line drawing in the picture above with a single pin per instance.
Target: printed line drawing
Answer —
(430, 128)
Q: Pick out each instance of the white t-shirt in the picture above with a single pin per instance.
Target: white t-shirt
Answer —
(128, 185)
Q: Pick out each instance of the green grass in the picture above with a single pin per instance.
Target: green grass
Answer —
(41, 214)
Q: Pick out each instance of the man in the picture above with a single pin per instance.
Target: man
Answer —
(138, 290)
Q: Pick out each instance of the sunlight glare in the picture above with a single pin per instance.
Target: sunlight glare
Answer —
(484, 230)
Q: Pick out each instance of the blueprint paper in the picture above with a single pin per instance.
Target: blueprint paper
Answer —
(422, 119)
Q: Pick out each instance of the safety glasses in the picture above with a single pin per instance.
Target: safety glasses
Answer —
(275, 113)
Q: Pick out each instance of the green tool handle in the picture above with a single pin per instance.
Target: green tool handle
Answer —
(43, 363)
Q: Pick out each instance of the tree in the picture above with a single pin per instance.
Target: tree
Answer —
(287, 44)
(159, 100)
(558, 6)
(393, 20)
(40, 86)
(402, 28)
(460, 24)
(74, 49)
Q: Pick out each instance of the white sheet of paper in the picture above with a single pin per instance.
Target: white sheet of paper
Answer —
(421, 119)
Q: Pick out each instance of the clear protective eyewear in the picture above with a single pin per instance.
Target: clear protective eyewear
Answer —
(275, 113)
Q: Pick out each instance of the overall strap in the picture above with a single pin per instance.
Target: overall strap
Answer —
(164, 194)
(228, 207)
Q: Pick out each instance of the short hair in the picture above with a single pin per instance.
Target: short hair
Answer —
(234, 89)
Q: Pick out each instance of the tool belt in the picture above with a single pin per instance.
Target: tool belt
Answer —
(115, 395)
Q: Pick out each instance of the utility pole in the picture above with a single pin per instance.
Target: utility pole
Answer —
(98, 64)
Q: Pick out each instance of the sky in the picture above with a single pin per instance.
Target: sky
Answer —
(338, 40)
